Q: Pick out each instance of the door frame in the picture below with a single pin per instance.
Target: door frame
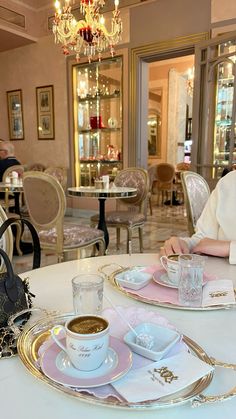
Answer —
(140, 57)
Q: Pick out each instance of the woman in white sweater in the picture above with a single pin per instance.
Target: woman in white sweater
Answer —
(216, 228)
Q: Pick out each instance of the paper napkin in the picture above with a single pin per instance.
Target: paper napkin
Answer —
(162, 378)
(218, 292)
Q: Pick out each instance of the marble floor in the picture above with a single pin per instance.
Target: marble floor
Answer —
(163, 223)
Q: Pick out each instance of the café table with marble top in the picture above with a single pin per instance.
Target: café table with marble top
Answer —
(26, 395)
(102, 195)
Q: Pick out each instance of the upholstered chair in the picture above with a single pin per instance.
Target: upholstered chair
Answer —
(196, 194)
(39, 167)
(46, 204)
(164, 186)
(60, 173)
(130, 213)
(180, 167)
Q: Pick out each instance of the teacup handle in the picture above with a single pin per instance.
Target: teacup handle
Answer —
(54, 332)
(163, 260)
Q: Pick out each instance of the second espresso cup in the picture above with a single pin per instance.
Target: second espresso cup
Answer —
(87, 341)
(171, 265)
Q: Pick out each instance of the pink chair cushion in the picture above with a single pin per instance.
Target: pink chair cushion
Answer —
(74, 235)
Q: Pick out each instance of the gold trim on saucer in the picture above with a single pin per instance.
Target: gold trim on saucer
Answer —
(31, 339)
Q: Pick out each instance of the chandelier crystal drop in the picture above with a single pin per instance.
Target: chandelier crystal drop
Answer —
(89, 35)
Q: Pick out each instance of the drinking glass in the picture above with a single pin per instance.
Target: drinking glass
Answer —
(87, 293)
(191, 280)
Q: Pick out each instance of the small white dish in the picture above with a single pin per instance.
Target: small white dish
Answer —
(163, 337)
(134, 279)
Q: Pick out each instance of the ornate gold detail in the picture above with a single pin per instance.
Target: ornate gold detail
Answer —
(164, 373)
(218, 294)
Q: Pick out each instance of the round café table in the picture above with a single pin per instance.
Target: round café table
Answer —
(16, 190)
(26, 397)
(102, 195)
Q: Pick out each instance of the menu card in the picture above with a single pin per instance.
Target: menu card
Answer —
(162, 378)
(217, 292)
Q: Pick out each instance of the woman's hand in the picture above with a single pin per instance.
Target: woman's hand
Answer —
(213, 247)
(174, 245)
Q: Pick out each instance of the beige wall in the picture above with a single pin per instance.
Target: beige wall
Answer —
(26, 68)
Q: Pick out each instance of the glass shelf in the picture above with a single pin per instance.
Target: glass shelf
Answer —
(98, 122)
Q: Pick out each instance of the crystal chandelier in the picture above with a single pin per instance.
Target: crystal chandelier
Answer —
(89, 35)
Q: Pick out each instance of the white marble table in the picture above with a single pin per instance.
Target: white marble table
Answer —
(25, 397)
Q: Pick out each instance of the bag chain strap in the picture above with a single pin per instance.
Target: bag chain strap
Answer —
(8, 339)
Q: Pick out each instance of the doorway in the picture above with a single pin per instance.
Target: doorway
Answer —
(141, 58)
(170, 98)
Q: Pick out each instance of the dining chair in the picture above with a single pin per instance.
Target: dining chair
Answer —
(164, 185)
(130, 213)
(39, 167)
(46, 202)
(180, 167)
(60, 173)
(196, 194)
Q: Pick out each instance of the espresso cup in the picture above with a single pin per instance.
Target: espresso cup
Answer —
(171, 265)
(87, 340)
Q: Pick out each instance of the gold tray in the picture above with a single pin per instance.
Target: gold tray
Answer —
(111, 277)
(32, 338)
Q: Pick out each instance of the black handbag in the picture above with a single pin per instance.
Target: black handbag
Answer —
(14, 292)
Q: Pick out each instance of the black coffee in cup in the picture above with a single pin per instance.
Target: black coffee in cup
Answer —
(87, 325)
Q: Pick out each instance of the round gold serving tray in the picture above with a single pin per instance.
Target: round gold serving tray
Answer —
(112, 278)
(32, 338)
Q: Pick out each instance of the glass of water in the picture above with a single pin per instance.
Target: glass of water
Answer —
(87, 294)
(191, 268)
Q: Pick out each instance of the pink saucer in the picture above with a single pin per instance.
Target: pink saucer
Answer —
(56, 365)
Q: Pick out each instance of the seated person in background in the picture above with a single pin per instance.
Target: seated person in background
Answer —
(7, 158)
(216, 228)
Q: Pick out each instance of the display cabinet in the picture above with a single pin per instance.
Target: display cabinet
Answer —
(214, 116)
(98, 143)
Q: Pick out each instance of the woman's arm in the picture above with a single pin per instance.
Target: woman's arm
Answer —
(213, 247)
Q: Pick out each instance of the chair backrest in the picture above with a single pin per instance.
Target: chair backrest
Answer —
(196, 194)
(37, 166)
(16, 168)
(182, 166)
(165, 172)
(133, 178)
(45, 200)
(60, 173)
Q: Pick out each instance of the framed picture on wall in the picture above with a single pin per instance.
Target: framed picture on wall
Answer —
(15, 114)
(45, 112)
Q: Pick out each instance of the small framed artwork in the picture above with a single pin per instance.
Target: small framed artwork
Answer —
(15, 114)
(45, 112)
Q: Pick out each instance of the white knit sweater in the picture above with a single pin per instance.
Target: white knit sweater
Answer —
(218, 219)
